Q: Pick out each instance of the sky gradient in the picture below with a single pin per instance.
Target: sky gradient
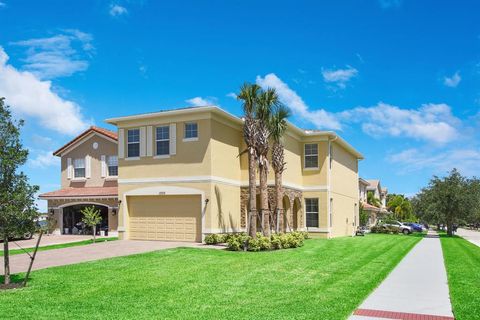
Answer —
(399, 80)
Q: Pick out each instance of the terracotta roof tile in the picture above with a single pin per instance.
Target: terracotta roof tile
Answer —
(82, 192)
(105, 132)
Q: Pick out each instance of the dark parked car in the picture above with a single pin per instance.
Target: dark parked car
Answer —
(416, 227)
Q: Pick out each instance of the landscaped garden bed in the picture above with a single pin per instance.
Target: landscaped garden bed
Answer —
(243, 242)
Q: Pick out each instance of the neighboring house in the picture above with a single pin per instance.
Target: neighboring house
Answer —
(373, 186)
(181, 177)
(89, 170)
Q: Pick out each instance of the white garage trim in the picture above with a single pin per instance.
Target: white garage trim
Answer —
(164, 191)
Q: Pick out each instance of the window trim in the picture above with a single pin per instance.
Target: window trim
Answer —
(108, 167)
(84, 169)
(317, 212)
(310, 155)
(136, 142)
(163, 155)
(188, 139)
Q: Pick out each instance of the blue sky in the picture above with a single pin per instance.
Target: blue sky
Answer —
(399, 80)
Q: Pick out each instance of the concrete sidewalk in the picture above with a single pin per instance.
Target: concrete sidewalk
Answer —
(471, 235)
(416, 289)
(91, 252)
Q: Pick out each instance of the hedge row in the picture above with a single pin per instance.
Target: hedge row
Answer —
(243, 242)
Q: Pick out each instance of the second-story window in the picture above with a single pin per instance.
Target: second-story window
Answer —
(311, 155)
(133, 143)
(163, 140)
(112, 166)
(191, 130)
(79, 168)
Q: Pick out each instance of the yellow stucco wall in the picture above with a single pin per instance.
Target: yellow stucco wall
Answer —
(344, 191)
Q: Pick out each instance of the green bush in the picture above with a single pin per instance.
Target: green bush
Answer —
(213, 238)
(276, 242)
(236, 242)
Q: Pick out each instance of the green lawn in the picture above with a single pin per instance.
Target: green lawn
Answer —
(55, 246)
(325, 279)
(462, 260)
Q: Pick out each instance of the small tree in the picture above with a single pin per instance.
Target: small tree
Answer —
(363, 216)
(17, 197)
(91, 217)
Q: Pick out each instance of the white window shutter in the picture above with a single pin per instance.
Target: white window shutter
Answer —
(143, 142)
(121, 143)
(173, 138)
(69, 168)
(88, 171)
(104, 166)
(149, 141)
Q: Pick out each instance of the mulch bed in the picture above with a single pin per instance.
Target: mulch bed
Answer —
(16, 285)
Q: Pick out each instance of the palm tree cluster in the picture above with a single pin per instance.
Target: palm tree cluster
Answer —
(265, 122)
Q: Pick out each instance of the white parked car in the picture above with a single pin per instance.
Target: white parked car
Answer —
(403, 228)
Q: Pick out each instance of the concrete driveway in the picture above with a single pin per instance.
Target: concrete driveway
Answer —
(471, 235)
(91, 252)
(48, 240)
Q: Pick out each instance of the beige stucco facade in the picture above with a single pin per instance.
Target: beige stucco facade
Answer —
(210, 167)
(95, 187)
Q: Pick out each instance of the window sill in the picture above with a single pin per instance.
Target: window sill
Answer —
(132, 158)
(79, 179)
(111, 178)
(162, 156)
(190, 139)
(311, 169)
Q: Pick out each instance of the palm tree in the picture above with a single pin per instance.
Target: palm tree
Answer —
(268, 99)
(249, 94)
(372, 200)
(278, 126)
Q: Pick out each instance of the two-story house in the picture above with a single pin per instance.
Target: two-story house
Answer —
(89, 171)
(374, 187)
(180, 177)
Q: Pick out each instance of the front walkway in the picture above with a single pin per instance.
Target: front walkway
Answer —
(416, 289)
(471, 235)
(91, 252)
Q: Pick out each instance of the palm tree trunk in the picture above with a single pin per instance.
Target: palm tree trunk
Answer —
(6, 260)
(252, 196)
(279, 202)
(264, 200)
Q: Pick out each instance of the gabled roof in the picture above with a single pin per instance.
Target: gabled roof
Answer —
(81, 192)
(93, 129)
(373, 184)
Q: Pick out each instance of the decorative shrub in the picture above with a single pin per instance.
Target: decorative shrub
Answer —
(213, 238)
(241, 241)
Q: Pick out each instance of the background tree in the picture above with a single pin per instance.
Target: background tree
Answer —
(401, 207)
(249, 95)
(92, 217)
(447, 200)
(278, 127)
(372, 200)
(363, 216)
(17, 197)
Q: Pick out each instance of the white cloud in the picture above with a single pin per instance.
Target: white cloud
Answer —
(199, 101)
(57, 56)
(339, 77)
(117, 10)
(320, 118)
(232, 95)
(385, 4)
(452, 81)
(44, 159)
(430, 122)
(29, 96)
(439, 162)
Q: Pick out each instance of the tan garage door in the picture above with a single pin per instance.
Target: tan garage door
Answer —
(174, 218)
